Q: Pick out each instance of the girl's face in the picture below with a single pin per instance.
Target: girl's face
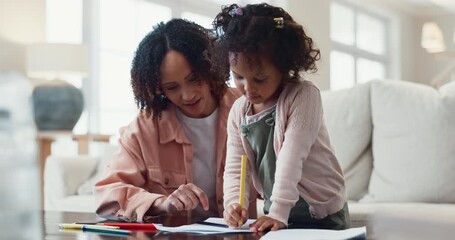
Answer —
(183, 88)
(259, 81)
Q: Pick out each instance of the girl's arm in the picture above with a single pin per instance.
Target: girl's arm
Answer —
(234, 152)
(302, 128)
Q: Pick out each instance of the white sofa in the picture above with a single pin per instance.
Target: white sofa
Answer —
(395, 141)
(62, 178)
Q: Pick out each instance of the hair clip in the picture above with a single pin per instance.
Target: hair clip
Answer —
(236, 11)
(279, 22)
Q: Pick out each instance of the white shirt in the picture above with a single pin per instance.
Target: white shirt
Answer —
(201, 132)
(252, 118)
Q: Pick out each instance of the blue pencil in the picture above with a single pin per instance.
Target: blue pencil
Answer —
(88, 228)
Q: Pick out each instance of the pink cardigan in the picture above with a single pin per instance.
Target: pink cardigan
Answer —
(155, 158)
(306, 165)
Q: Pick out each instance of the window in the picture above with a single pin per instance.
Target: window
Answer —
(64, 25)
(64, 21)
(202, 20)
(360, 45)
(113, 30)
(122, 25)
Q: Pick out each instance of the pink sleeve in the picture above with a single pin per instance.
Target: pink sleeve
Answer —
(302, 128)
(234, 151)
(121, 193)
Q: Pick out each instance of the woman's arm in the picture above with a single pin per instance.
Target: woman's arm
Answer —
(121, 193)
(132, 190)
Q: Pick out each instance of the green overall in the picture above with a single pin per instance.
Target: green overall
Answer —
(260, 136)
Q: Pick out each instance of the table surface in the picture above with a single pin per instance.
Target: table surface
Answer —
(51, 219)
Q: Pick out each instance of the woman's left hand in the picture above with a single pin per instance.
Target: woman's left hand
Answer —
(263, 223)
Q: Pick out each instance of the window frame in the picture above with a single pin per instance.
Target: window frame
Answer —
(91, 34)
(91, 85)
(357, 52)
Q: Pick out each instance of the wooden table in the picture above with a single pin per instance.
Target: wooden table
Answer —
(46, 138)
(52, 219)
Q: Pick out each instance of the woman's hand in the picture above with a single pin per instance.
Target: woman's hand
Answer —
(186, 197)
(235, 216)
(263, 223)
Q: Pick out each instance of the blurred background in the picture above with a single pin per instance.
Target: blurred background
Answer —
(65, 77)
(359, 40)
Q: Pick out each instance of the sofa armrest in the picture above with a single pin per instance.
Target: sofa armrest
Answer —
(63, 175)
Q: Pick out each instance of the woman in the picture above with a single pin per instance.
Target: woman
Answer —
(172, 155)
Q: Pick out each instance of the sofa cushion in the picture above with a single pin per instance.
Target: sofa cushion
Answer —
(361, 211)
(76, 203)
(413, 143)
(414, 221)
(63, 175)
(86, 188)
(347, 115)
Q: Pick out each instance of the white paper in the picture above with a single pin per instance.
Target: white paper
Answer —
(221, 221)
(198, 228)
(315, 234)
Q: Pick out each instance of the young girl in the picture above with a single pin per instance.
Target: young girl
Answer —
(278, 123)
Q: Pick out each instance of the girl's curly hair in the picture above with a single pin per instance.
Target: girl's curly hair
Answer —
(188, 38)
(253, 30)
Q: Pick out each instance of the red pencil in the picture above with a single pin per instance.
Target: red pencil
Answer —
(132, 226)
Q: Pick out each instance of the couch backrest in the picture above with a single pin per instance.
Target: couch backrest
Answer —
(347, 114)
(63, 175)
(413, 142)
(87, 187)
(395, 140)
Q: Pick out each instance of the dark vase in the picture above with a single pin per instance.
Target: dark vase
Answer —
(57, 105)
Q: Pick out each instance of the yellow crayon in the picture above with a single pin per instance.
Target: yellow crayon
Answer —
(242, 183)
(82, 226)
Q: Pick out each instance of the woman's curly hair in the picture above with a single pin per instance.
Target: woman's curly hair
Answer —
(188, 38)
(253, 30)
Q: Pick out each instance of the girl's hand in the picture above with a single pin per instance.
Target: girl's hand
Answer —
(186, 197)
(263, 223)
(235, 216)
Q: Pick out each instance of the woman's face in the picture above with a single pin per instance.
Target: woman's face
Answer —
(258, 81)
(183, 88)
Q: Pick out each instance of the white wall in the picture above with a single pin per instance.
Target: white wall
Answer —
(409, 61)
(415, 63)
(405, 40)
(21, 22)
(315, 19)
(429, 66)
